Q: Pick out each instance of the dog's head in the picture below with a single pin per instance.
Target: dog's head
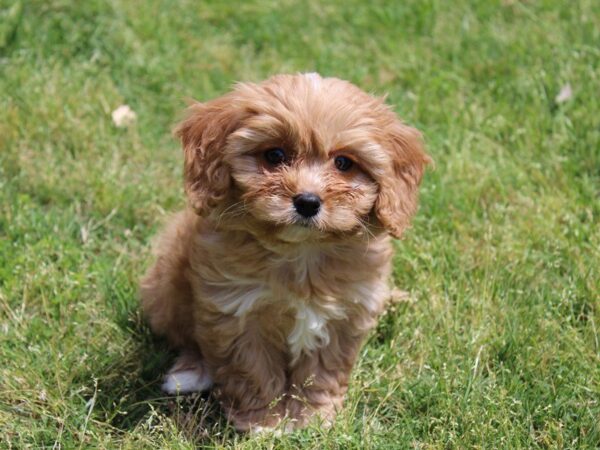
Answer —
(303, 157)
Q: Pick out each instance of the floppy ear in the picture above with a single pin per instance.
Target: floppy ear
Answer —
(398, 188)
(203, 137)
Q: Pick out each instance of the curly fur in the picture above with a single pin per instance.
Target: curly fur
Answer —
(270, 308)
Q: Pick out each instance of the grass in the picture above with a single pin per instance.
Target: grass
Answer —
(498, 346)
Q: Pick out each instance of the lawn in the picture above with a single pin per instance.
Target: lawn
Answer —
(497, 342)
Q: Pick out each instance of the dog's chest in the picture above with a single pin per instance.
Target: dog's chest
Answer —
(310, 330)
(298, 289)
(304, 291)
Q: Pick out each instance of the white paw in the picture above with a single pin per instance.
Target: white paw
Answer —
(186, 381)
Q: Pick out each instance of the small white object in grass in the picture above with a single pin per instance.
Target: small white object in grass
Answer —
(85, 234)
(565, 94)
(186, 381)
(123, 116)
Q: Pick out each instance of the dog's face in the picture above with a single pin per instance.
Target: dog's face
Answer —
(303, 158)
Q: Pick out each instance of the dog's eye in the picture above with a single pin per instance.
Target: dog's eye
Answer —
(275, 156)
(343, 163)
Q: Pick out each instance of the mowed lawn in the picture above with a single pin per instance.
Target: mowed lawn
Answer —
(497, 342)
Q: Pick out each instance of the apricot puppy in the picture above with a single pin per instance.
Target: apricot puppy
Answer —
(270, 280)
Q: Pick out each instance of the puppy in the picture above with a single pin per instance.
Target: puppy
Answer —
(271, 279)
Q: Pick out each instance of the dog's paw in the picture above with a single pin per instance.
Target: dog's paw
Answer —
(186, 381)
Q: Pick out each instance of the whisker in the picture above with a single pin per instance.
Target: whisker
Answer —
(368, 233)
(227, 213)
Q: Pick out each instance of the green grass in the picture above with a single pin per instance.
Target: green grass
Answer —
(498, 346)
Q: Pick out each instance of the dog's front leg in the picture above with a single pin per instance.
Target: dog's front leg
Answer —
(319, 380)
(249, 377)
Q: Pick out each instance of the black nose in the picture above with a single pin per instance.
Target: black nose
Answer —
(307, 204)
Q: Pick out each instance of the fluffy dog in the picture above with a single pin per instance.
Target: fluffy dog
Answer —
(269, 282)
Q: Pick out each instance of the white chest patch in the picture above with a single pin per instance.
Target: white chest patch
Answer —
(309, 332)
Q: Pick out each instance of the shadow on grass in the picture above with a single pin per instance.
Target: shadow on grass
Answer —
(129, 397)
